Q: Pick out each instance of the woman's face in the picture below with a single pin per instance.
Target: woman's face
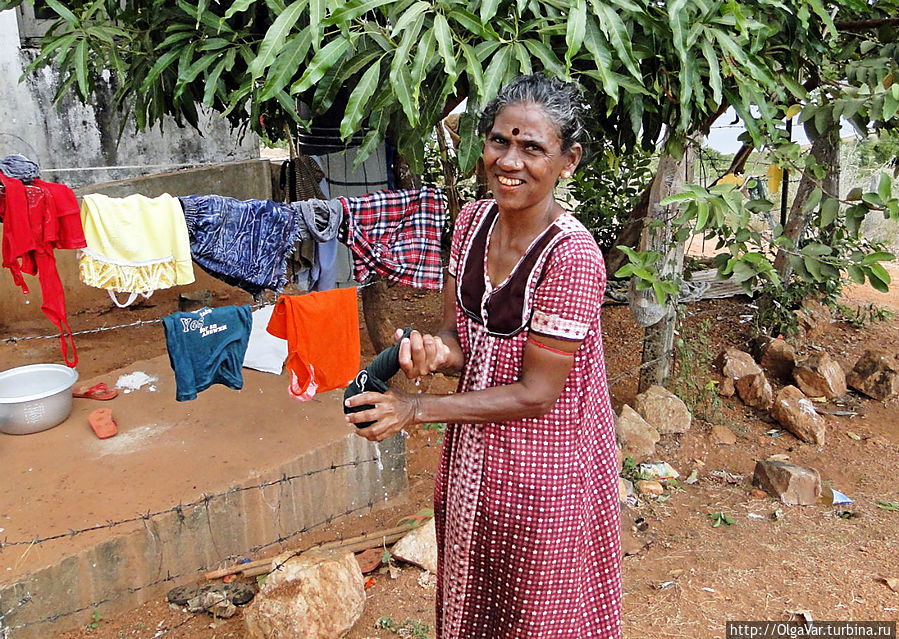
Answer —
(523, 157)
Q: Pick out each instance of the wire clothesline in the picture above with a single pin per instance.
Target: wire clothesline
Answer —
(157, 320)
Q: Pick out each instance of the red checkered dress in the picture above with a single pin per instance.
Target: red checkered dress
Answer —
(527, 511)
(396, 234)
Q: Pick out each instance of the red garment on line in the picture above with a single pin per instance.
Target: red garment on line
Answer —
(38, 218)
(322, 333)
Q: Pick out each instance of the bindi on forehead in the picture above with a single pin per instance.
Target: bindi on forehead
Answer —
(515, 131)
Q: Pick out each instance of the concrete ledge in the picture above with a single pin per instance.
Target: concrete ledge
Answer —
(241, 495)
(244, 180)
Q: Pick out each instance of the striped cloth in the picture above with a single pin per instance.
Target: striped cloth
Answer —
(396, 235)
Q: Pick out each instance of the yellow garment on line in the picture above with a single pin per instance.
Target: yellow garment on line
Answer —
(134, 244)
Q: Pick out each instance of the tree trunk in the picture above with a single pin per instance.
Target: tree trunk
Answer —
(628, 236)
(825, 151)
(658, 235)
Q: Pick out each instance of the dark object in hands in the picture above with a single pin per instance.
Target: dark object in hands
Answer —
(374, 377)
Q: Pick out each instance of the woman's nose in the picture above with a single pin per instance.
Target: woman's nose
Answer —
(511, 159)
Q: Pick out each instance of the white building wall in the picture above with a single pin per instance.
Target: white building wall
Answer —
(74, 143)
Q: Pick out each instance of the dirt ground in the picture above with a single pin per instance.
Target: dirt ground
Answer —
(682, 576)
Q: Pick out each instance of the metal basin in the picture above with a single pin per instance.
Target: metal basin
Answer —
(35, 397)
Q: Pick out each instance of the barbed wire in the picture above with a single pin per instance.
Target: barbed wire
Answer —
(203, 501)
(157, 320)
(167, 579)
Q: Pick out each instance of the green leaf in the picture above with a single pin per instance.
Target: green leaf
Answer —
(488, 9)
(474, 70)
(470, 144)
(411, 14)
(200, 65)
(524, 60)
(575, 30)
(885, 187)
(81, 68)
(212, 81)
(161, 65)
(401, 81)
(238, 6)
(286, 64)
(323, 60)
(546, 56)
(711, 58)
(275, 37)
(471, 23)
(63, 12)
(856, 273)
(618, 35)
(879, 277)
(829, 210)
(355, 109)
(877, 256)
(445, 44)
(815, 249)
(353, 9)
(496, 72)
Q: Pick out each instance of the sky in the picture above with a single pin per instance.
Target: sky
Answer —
(723, 136)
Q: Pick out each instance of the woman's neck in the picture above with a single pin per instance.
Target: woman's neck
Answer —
(522, 226)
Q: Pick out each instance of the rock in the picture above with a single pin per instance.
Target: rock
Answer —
(736, 364)
(419, 547)
(635, 435)
(722, 435)
(663, 410)
(625, 489)
(727, 388)
(218, 606)
(876, 374)
(317, 595)
(795, 412)
(755, 391)
(812, 317)
(793, 485)
(778, 358)
(755, 493)
(237, 593)
(820, 375)
(649, 487)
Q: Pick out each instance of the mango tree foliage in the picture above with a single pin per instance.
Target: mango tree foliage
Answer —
(857, 79)
(647, 66)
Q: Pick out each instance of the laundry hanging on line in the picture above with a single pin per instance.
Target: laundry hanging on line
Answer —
(38, 218)
(207, 347)
(246, 243)
(322, 333)
(135, 245)
(396, 234)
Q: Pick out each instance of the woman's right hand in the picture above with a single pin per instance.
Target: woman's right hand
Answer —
(421, 354)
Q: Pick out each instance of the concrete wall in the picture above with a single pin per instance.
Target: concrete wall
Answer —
(74, 142)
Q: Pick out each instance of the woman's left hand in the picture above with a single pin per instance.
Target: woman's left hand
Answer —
(391, 412)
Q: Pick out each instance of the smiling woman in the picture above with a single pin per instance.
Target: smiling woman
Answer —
(526, 495)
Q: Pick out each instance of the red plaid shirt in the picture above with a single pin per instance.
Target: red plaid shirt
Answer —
(396, 234)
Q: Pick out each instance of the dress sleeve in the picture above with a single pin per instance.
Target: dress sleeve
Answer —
(461, 228)
(568, 299)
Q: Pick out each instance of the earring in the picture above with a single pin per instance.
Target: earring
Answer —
(566, 175)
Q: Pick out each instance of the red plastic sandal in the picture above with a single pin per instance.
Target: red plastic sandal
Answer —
(97, 391)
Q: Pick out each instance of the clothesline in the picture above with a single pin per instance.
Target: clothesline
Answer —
(158, 320)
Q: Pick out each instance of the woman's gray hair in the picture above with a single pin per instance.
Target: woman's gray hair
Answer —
(561, 101)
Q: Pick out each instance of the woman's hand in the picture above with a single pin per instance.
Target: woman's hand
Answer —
(391, 412)
(421, 354)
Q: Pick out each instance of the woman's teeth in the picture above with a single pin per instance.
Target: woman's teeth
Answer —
(507, 181)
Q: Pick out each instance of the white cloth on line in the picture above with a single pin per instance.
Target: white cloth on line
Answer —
(265, 352)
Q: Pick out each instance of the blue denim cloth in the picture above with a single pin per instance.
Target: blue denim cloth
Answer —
(244, 243)
(20, 168)
(207, 347)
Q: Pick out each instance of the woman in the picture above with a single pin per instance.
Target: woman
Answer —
(526, 494)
